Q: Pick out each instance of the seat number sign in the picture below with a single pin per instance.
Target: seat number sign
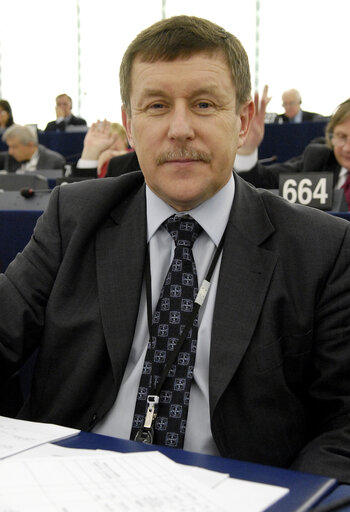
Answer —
(308, 188)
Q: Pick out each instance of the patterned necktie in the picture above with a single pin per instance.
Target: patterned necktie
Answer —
(172, 313)
(346, 188)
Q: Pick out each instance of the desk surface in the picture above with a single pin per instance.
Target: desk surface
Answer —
(16, 228)
(305, 489)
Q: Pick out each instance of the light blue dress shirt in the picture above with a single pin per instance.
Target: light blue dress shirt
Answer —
(213, 216)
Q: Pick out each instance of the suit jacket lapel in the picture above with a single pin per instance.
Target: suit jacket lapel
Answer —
(120, 253)
(245, 274)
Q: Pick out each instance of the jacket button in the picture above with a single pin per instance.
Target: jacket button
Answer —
(93, 419)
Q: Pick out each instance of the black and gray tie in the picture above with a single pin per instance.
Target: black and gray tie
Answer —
(172, 313)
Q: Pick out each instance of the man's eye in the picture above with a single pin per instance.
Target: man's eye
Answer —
(157, 105)
(203, 104)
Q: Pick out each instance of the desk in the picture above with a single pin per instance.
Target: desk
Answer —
(342, 215)
(70, 145)
(303, 487)
(288, 140)
(16, 228)
(341, 492)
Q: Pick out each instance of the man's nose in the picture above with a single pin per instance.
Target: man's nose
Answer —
(181, 124)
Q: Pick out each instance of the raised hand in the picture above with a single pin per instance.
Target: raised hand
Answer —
(97, 139)
(257, 127)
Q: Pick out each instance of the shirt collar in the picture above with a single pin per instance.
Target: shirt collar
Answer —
(298, 117)
(31, 164)
(212, 215)
(343, 172)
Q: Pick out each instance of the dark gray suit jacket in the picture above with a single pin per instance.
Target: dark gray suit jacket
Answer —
(48, 159)
(279, 375)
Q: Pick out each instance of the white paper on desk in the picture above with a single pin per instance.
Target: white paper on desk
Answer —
(54, 450)
(245, 496)
(127, 482)
(19, 435)
(144, 481)
(235, 494)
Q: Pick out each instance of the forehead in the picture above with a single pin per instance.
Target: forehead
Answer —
(289, 96)
(343, 127)
(62, 99)
(200, 69)
(13, 141)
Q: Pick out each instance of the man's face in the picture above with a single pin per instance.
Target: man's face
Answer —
(342, 151)
(184, 126)
(20, 151)
(63, 106)
(4, 117)
(291, 104)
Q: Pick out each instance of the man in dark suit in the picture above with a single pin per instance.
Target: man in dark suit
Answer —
(64, 117)
(291, 102)
(271, 380)
(25, 153)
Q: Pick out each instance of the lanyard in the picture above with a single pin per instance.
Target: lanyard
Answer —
(146, 433)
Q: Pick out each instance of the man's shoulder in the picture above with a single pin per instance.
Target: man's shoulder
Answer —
(318, 157)
(312, 116)
(51, 125)
(298, 218)
(78, 121)
(105, 190)
(87, 203)
(282, 214)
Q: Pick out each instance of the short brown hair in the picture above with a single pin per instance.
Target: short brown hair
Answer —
(341, 113)
(181, 37)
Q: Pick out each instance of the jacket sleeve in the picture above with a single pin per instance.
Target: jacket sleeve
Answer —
(24, 291)
(328, 400)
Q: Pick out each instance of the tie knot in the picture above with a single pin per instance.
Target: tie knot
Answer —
(184, 230)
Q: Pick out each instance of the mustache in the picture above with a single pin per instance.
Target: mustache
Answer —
(183, 154)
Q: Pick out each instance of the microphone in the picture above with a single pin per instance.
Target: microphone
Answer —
(30, 192)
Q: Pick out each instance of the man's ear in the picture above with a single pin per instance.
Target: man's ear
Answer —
(246, 115)
(127, 125)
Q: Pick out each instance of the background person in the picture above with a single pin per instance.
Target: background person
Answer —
(291, 102)
(25, 153)
(329, 154)
(270, 382)
(64, 117)
(6, 117)
(103, 141)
